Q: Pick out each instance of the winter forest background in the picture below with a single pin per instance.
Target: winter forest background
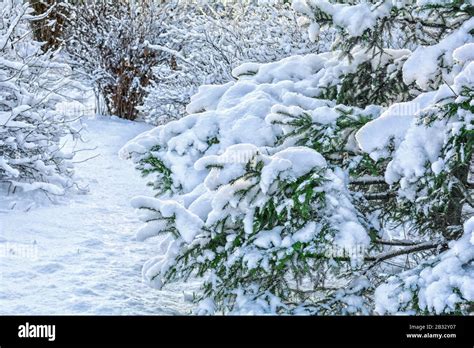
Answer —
(236, 157)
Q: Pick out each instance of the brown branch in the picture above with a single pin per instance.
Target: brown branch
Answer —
(369, 180)
(391, 254)
(379, 196)
(397, 242)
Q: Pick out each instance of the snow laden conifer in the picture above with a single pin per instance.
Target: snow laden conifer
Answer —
(332, 183)
(31, 157)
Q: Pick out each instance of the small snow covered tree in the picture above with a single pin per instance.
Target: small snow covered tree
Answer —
(333, 183)
(108, 43)
(31, 157)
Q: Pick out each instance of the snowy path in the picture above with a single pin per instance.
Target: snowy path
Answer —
(80, 257)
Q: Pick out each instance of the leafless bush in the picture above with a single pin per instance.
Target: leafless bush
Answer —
(106, 41)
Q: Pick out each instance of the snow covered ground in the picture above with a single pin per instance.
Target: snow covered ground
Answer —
(80, 256)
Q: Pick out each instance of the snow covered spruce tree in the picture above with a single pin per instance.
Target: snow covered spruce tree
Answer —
(31, 157)
(333, 183)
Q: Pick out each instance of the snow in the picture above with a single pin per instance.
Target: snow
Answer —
(208, 42)
(168, 50)
(420, 144)
(469, 228)
(264, 185)
(294, 68)
(246, 69)
(235, 111)
(389, 128)
(30, 127)
(12, 171)
(290, 164)
(206, 97)
(387, 299)
(80, 255)
(423, 65)
(50, 188)
(251, 259)
(464, 53)
(418, 147)
(351, 235)
(438, 282)
(355, 19)
(438, 166)
(306, 234)
(313, 31)
(266, 239)
(186, 222)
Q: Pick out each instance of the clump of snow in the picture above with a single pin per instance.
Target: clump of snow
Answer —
(355, 19)
(440, 284)
(422, 66)
(306, 234)
(464, 53)
(207, 97)
(266, 239)
(352, 234)
(290, 164)
(187, 223)
(389, 129)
